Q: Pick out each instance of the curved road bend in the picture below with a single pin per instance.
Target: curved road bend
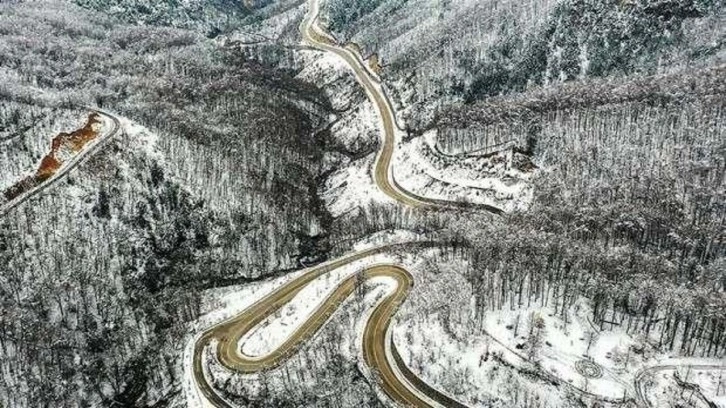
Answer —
(72, 164)
(409, 391)
(229, 333)
(383, 171)
(416, 392)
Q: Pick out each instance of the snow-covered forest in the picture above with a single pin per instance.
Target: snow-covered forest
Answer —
(595, 129)
(436, 52)
(212, 182)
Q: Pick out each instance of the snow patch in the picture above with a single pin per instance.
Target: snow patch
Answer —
(272, 332)
(483, 180)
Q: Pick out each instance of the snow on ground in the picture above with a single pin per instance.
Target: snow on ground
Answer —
(386, 237)
(439, 342)
(269, 334)
(332, 75)
(352, 184)
(453, 360)
(566, 343)
(272, 28)
(438, 337)
(712, 384)
(492, 180)
(353, 313)
(662, 386)
(144, 139)
(465, 371)
(452, 352)
(351, 187)
(224, 304)
(356, 128)
(228, 302)
(273, 331)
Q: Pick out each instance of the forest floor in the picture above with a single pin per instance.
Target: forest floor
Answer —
(702, 385)
(477, 357)
(604, 363)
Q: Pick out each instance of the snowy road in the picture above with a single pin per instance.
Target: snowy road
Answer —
(383, 168)
(379, 351)
(397, 381)
(376, 335)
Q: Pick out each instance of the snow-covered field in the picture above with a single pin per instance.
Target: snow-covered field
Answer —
(711, 382)
(351, 187)
(604, 364)
(567, 343)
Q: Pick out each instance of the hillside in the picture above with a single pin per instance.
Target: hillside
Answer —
(435, 53)
(215, 163)
(210, 17)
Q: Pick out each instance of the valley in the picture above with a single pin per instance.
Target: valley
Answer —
(333, 203)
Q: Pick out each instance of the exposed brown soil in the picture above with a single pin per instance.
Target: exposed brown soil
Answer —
(63, 148)
(374, 64)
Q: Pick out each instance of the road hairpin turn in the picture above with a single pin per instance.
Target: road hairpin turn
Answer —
(393, 377)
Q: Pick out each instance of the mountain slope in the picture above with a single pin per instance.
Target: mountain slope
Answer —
(212, 182)
(441, 52)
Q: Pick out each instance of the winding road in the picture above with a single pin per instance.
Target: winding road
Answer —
(79, 158)
(379, 351)
(383, 168)
(375, 337)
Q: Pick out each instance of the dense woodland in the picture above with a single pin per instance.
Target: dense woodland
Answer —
(435, 53)
(100, 277)
(634, 189)
(523, 117)
(629, 208)
(210, 17)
